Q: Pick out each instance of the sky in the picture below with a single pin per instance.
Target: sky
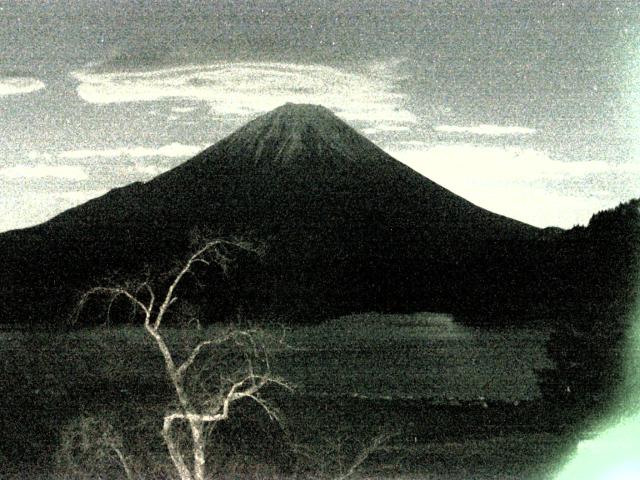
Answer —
(528, 109)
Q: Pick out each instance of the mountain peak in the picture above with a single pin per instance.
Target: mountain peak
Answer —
(293, 116)
(296, 134)
(301, 116)
(302, 110)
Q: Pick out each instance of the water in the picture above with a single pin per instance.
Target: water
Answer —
(424, 356)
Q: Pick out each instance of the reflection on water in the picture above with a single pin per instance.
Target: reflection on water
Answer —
(434, 326)
(423, 355)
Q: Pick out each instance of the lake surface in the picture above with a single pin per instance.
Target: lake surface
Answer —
(420, 356)
(423, 355)
(50, 379)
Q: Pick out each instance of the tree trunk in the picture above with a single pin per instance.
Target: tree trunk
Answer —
(174, 451)
(198, 449)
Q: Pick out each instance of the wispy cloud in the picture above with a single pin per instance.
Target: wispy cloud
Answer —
(249, 88)
(493, 130)
(386, 129)
(18, 85)
(172, 150)
(68, 172)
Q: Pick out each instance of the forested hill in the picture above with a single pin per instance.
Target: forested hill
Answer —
(597, 309)
(560, 274)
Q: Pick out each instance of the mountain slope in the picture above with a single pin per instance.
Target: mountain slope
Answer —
(346, 228)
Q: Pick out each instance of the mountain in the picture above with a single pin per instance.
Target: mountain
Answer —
(345, 226)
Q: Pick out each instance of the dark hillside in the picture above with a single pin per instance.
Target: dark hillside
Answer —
(596, 300)
(345, 226)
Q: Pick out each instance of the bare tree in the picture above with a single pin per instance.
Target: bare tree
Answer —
(328, 457)
(246, 383)
(89, 440)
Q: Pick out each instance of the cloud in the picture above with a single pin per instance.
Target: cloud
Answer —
(68, 172)
(521, 183)
(535, 204)
(108, 166)
(18, 85)
(35, 155)
(482, 162)
(173, 150)
(183, 109)
(24, 209)
(250, 88)
(493, 130)
(80, 196)
(149, 170)
(386, 129)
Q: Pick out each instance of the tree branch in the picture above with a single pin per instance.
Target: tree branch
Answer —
(376, 444)
(196, 257)
(196, 350)
(247, 387)
(123, 461)
(114, 292)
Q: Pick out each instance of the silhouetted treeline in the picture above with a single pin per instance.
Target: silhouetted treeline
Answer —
(595, 307)
(584, 283)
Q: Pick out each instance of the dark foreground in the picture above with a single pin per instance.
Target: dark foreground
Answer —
(319, 437)
(53, 383)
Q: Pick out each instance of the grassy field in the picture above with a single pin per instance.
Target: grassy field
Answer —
(417, 377)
